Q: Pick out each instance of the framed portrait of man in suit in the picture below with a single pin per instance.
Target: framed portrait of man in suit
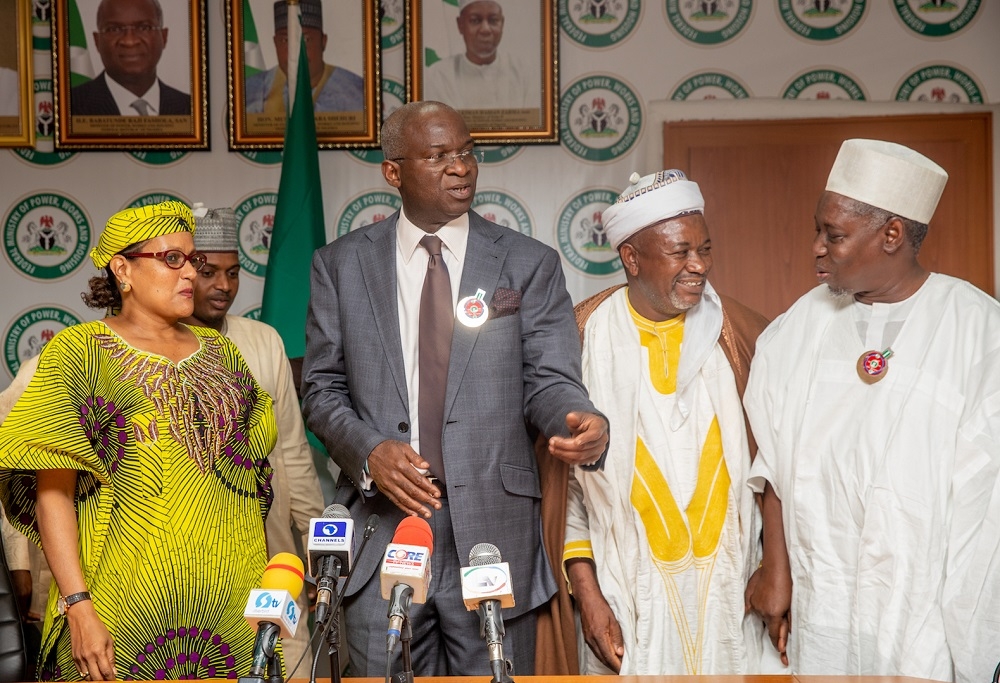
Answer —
(130, 74)
(343, 49)
(495, 61)
(17, 98)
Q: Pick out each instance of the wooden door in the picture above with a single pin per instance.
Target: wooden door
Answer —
(762, 179)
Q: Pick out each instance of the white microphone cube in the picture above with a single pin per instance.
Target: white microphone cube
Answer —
(487, 582)
(409, 564)
(277, 607)
(330, 537)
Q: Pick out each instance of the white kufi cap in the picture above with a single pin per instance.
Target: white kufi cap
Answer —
(462, 4)
(648, 200)
(888, 176)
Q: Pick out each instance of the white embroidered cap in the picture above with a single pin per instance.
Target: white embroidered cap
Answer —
(648, 200)
(462, 4)
(216, 229)
(888, 176)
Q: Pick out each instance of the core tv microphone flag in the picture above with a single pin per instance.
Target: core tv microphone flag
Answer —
(273, 612)
(406, 573)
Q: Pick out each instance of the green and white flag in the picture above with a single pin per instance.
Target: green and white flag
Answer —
(81, 69)
(299, 228)
(253, 58)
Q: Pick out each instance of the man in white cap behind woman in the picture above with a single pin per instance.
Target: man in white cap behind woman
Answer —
(875, 401)
(660, 543)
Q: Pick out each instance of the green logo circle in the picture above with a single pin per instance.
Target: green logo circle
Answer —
(252, 313)
(46, 236)
(823, 84)
(44, 152)
(503, 209)
(32, 330)
(157, 158)
(494, 154)
(262, 157)
(709, 23)
(936, 19)
(600, 118)
(940, 83)
(392, 23)
(710, 85)
(393, 97)
(150, 198)
(255, 216)
(367, 208)
(581, 237)
(599, 23)
(821, 20)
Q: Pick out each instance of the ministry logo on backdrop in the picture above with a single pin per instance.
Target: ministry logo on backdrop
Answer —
(710, 85)
(581, 237)
(46, 236)
(600, 118)
(392, 23)
(503, 209)
(709, 22)
(599, 23)
(367, 208)
(44, 152)
(821, 20)
(255, 216)
(31, 330)
(154, 158)
(940, 83)
(252, 313)
(823, 84)
(936, 18)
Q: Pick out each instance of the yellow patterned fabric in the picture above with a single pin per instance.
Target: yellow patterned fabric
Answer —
(133, 226)
(172, 490)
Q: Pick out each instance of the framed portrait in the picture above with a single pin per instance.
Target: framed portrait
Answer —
(495, 61)
(17, 85)
(343, 48)
(134, 77)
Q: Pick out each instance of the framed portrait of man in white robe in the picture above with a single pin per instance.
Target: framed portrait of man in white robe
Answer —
(495, 61)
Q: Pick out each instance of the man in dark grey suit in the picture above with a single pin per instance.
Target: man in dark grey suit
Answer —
(365, 375)
(130, 38)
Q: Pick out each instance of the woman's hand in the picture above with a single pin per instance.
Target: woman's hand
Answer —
(93, 649)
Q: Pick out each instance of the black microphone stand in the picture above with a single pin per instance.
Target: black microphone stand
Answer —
(370, 526)
(265, 660)
(333, 641)
(491, 628)
(405, 636)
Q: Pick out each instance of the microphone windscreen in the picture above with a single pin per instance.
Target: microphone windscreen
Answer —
(284, 572)
(336, 511)
(415, 531)
(484, 553)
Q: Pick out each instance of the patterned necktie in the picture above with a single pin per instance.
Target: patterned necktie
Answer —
(437, 321)
(141, 106)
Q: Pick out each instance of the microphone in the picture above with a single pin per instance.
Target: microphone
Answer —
(330, 547)
(406, 573)
(271, 609)
(486, 587)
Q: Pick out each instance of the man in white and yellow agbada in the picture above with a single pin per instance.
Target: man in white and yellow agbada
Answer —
(875, 400)
(660, 544)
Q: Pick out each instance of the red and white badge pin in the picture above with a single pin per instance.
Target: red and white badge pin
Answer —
(472, 311)
(873, 365)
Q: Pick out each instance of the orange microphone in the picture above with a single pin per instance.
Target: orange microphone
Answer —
(406, 572)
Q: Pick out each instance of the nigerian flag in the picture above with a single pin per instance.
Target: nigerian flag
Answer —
(253, 59)
(299, 228)
(81, 69)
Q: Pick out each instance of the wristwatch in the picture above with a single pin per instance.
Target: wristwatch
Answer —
(63, 604)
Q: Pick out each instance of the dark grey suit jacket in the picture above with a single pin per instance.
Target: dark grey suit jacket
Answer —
(519, 368)
(93, 98)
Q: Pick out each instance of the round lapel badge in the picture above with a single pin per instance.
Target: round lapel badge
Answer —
(873, 365)
(472, 311)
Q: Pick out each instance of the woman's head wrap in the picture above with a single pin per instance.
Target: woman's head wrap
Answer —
(133, 226)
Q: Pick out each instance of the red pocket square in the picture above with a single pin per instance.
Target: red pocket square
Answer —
(505, 302)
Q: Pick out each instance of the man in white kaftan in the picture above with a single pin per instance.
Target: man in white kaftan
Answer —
(875, 401)
(483, 77)
(669, 528)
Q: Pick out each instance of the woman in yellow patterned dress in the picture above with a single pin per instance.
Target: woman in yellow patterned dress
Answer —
(137, 458)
